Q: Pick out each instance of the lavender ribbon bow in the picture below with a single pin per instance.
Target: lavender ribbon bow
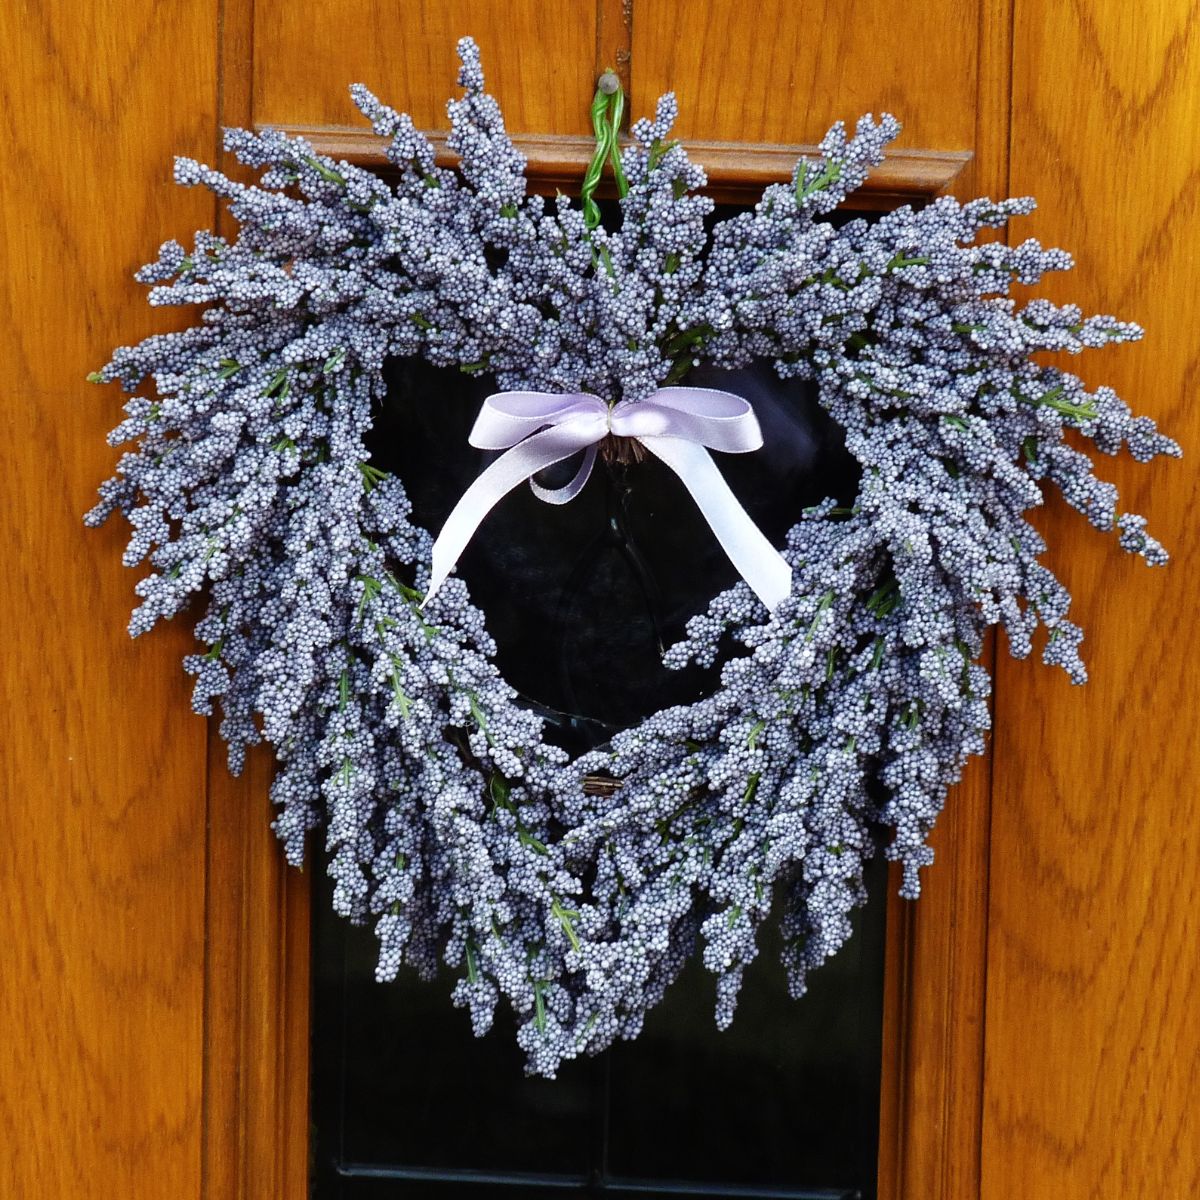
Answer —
(675, 424)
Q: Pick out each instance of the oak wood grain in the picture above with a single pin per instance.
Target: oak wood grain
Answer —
(783, 71)
(538, 58)
(1092, 1087)
(103, 775)
(614, 40)
(256, 1053)
(934, 1009)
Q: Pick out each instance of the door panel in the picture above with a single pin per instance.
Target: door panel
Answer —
(537, 58)
(778, 71)
(155, 994)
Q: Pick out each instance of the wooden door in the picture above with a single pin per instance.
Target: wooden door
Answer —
(1041, 1034)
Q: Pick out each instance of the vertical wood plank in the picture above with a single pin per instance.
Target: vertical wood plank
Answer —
(933, 1033)
(1092, 1038)
(256, 1035)
(932, 1121)
(102, 819)
(257, 979)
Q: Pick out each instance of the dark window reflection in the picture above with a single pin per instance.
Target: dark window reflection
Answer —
(408, 1104)
(582, 597)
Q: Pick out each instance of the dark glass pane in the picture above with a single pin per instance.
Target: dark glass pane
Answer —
(582, 597)
(787, 1096)
(402, 1080)
(408, 1104)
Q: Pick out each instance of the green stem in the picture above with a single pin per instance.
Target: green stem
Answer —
(616, 111)
(607, 112)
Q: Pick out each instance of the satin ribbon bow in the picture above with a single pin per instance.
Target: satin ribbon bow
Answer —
(676, 424)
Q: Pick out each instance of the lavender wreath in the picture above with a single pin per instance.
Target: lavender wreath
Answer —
(449, 819)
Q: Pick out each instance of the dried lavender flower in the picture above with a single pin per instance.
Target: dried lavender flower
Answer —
(449, 820)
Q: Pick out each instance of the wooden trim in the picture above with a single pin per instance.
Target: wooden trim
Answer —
(255, 1134)
(256, 1062)
(934, 988)
(931, 1123)
(737, 171)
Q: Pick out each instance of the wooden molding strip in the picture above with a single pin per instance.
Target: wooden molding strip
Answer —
(737, 171)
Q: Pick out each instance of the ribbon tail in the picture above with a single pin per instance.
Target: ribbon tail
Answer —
(757, 561)
(568, 491)
(512, 468)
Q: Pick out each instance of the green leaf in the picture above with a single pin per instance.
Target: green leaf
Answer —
(278, 385)
(565, 917)
(371, 589)
(899, 262)
(477, 713)
(403, 703)
(327, 173)
(657, 151)
(877, 656)
(372, 476)
(805, 190)
(500, 791)
(822, 608)
(527, 839)
(539, 1006)
(409, 593)
(884, 598)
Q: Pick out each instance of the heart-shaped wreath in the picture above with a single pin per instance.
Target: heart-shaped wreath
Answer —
(577, 889)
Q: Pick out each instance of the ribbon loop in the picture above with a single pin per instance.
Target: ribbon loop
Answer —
(678, 425)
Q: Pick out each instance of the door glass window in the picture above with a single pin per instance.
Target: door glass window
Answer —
(406, 1102)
